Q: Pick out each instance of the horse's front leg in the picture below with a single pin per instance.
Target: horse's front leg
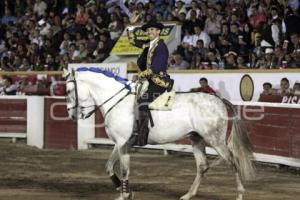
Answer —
(125, 192)
(113, 158)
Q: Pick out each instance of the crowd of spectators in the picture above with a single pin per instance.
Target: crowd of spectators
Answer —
(239, 34)
(230, 34)
(48, 34)
(284, 90)
(216, 34)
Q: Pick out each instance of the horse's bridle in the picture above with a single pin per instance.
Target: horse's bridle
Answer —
(96, 106)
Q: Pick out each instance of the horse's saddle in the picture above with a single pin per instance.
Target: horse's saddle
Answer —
(164, 102)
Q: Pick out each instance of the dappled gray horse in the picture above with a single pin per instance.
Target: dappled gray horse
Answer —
(201, 117)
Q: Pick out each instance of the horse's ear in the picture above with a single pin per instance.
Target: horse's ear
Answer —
(73, 73)
(65, 73)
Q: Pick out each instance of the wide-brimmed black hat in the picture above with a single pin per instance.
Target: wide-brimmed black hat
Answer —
(154, 24)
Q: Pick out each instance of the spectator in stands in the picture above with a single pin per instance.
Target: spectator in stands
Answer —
(194, 7)
(294, 46)
(91, 43)
(253, 59)
(269, 59)
(5, 65)
(180, 8)
(234, 39)
(82, 16)
(278, 56)
(17, 62)
(223, 40)
(25, 65)
(272, 34)
(212, 47)
(288, 62)
(296, 89)
(40, 8)
(65, 44)
(115, 27)
(248, 34)
(73, 52)
(100, 52)
(213, 62)
(50, 64)
(8, 87)
(79, 39)
(257, 18)
(178, 62)
(284, 87)
(192, 21)
(186, 47)
(213, 23)
(267, 88)
(230, 60)
(200, 35)
(200, 49)
(292, 22)
(204, 87)
(196, 61)
(241, 62)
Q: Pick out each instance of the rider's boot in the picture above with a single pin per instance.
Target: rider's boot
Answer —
(140, 130)
(143, 128)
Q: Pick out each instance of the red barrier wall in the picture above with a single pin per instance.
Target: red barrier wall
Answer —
(13, 116)
(277, 133)
(272, 130)
(59, 131)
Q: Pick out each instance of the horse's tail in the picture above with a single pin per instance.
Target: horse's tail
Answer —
(240, 146)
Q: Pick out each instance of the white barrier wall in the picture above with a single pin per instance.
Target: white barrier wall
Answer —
(228, 83)
(35, 121)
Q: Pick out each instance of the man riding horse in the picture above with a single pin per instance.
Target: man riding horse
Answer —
(152, 62)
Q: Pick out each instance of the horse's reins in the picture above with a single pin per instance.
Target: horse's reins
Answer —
(99, 106)
(96, 106)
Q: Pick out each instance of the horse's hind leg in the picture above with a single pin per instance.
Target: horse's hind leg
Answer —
(201, 163)
(225, 153)
(113, 158)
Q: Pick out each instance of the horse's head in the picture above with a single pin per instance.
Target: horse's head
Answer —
(79, 101)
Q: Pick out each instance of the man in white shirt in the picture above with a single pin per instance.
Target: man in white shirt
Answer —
(8, 88)
(200, 35)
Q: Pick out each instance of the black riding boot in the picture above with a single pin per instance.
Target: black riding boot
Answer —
(143, 128)
(140, 130)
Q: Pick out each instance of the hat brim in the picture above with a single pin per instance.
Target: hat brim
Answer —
(159, 26)
(230, 53)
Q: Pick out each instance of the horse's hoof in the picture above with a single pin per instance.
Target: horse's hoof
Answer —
(131, 196)
(239, 197)
(120, 198)
(126, 196)
(185, 197)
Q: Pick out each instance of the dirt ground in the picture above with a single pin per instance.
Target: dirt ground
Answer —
(28, 173)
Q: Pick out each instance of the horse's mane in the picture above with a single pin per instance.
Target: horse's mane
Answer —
(107, 73)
